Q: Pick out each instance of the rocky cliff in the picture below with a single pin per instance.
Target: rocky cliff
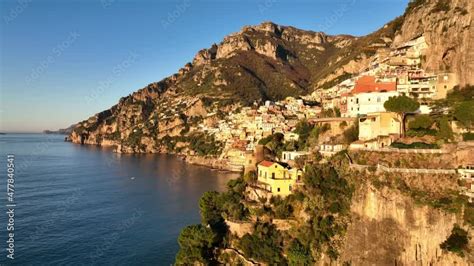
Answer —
(271, 62)
(389, 228)
(449, 32)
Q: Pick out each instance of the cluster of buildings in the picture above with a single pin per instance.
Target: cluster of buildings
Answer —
(394, 72)
(241, 131)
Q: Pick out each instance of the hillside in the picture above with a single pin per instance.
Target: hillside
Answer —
(271, 62)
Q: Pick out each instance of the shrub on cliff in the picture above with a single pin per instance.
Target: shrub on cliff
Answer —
(264, 244)
(210, 206)
(297, 254)
(352, 133)
(196, 244)
(282, 207)
(445, 132)
(323, 180)
(421, 122)
(457, 242)
(464, 113)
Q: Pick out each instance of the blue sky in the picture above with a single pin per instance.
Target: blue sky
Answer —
(63, 61)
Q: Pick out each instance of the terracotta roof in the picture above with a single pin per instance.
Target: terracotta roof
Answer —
(266, 163)
(368, 84)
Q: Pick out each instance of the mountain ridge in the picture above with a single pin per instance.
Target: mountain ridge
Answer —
(271, 62)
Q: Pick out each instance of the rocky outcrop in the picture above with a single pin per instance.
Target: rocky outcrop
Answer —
(449, 32)
(388, 228)
(271, 62)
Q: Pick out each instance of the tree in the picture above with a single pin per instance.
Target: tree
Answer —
(196, 243)
(445, 132)
(352, 133)
(298, 254)
(464, 113)
(457, 242)
(421, 122)
(211, 208)
(250, 177)
(264, 244)
(402, 105)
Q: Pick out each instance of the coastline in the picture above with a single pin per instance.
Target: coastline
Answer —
(208, 162)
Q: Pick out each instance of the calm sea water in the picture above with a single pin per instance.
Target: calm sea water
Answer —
(83, 205)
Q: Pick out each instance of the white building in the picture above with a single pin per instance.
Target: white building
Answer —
(292, 155)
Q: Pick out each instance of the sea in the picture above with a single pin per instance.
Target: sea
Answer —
(70, 204)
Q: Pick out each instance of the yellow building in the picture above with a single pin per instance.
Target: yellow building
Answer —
(277, 178)
(375, 125)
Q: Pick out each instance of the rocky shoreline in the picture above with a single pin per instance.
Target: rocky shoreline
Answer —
(209, 162)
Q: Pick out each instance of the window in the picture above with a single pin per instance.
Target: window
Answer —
(265, 174)
(260, 173)
(299, 177)
(378, 99)
(278, 189)
(273, 175)
(289, 187)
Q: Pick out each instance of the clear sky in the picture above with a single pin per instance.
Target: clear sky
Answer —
(63, 61)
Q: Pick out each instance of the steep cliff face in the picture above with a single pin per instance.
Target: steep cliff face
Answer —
(388, 228)
(271, 62)
(448, 30)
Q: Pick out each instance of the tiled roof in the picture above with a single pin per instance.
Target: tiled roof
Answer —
(368, 84)
(266, 163)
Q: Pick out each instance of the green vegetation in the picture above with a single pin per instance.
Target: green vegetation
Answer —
(352, 133)
(298, 255)
(414, 145)
(134, 139)
(469, 214)
(464, 113)
(332, 112)
(264, 244)
(335, 191)
(201, 143)
(283, 207)
(308, 134)
(274, 142)
(204, 144)
(216, 206)
(457, 242)
(421, 122)
(334, 82)
(445, 132)
(196, 243)
(401, 105)
(468, 136)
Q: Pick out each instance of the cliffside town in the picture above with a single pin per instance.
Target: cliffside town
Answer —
(361, 144)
